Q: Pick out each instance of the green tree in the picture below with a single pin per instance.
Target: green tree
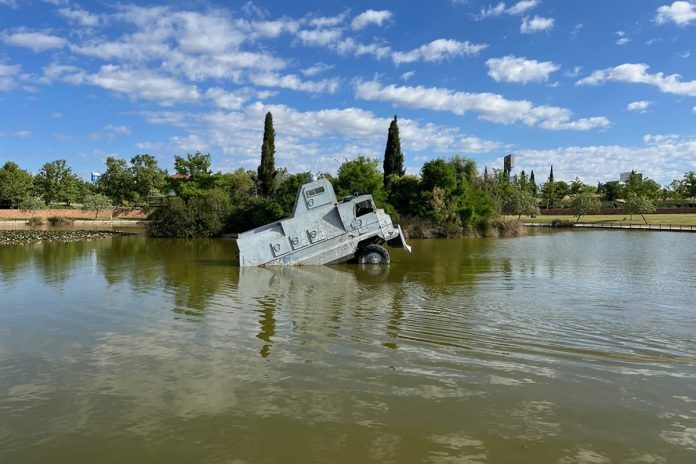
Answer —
(240, 185)
(360, 175)
(31, 204)
(403, 193)
(193, 166)
(117, 181)
(549, 190)
(650, 189)
(549, 194)
(611, 190)
(522, 181)
(585, 203)
(96, 202)
(562, 189)
(533, 189)
(199, 216)
(577, 186)
(393, 157)
(288, 186)
(195, 177)
(148, 179)
(689, 184)
(15, 184)
(638, 204)
(267, 170)
(520, 202)
(439, 173)
(56, 182)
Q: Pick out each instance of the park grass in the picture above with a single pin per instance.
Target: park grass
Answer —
(674, 219)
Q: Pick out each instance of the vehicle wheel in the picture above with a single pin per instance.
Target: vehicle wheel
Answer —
(373, 254)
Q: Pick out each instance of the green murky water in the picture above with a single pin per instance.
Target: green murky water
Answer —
(571, 347)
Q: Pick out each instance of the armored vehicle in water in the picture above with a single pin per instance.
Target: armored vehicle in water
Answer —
(323, 230)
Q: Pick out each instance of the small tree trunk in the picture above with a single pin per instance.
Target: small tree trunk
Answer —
(578, 219)
(643, 216)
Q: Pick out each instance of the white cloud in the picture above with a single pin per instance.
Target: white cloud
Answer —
(694, 109)
(23, 134)
(660, 138)
(640, 106)
(438, 50)
(328, 21)
(228, 100)
(622, 38)
(207, 33)
(500, 9)
(574, 73)
(536, 24)
(407, 75)
(637, 73)
(110, 132)
(293, 82)
(663, 158)
(81, 17)
(316, 68)
(350, 46)
(681, 13)
(273, 29)
(307, 135)
(368, 17)
(33, 40)
(491, 11)
(143, 84)
(8, 74)
(522, 6)
(319, 37)
(9, 3)
(488, 106)
(513, 69)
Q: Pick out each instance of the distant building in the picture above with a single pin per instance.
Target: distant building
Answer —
(95, 177)
(178, 176)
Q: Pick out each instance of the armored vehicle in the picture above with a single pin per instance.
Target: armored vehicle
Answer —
(323, 230)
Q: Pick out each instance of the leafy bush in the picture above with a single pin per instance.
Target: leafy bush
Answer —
(59, 221)
(35, 221)
(254, 212)
(200, 216)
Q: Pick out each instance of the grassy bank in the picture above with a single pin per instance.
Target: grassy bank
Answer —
(419, 228)
(674, 219)
(23, 237)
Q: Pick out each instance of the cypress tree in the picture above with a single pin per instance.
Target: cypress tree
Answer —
(266, 170)
(393, 157)
(532, 183)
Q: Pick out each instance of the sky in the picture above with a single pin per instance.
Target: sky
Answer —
(593, 87)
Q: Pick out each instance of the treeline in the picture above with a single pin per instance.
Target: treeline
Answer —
(449, 197)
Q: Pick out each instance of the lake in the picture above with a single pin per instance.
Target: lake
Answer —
(564, 347)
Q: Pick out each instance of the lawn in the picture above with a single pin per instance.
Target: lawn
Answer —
(674, 219)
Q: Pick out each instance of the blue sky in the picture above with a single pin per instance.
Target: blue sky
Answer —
(593, 87)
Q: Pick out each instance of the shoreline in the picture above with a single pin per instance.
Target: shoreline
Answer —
(27, 237)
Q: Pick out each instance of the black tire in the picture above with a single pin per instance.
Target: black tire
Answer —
(373, 254)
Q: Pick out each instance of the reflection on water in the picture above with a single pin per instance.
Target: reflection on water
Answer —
(572, 347)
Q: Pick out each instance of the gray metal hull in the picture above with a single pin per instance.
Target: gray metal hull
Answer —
(320, 231)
